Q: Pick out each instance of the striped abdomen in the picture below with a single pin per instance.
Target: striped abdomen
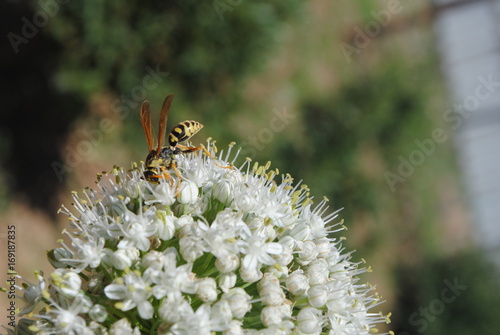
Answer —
(183, 132)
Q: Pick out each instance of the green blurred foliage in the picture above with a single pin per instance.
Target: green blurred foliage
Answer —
(208, 48)
(456, 295)
(353, 137)
(204, 45)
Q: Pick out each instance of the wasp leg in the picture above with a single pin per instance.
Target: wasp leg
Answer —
(173, 166)
(186, 149)
(176, 170)
(164, 175)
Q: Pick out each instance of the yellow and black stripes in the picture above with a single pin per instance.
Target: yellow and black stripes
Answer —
(183, 132)
(161, 158)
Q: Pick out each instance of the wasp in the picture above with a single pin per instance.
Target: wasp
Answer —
(162, 158)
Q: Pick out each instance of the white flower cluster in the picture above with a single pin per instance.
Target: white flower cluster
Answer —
(224, 250)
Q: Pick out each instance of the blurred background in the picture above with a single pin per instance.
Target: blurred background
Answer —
(388, 108)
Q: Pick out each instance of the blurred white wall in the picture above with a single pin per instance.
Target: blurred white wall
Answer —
(468, 38)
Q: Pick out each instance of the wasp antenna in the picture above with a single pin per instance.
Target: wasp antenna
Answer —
(146, 124)
(163, 120)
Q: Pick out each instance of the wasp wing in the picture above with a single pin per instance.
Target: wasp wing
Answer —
(146, 124)
(163, 121)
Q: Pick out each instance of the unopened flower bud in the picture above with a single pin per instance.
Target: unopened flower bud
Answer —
(250, 275)
(222, 192)
(124, 258)
(308, 320)
(66, 282)
(206, 289)
(188, 193)
(227, 281)
(98, 313)
(227, 263)
(273, 315)
(56, 256)
(297, 282)
(308, 253)
(238, 301)
(317, 295)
